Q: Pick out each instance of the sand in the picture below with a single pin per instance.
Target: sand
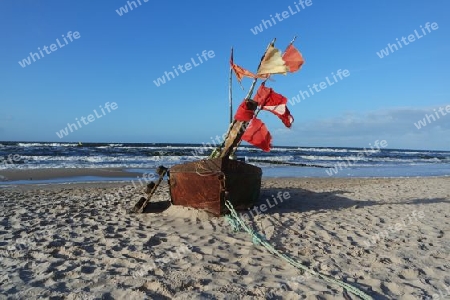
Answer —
(44, 174)
(388, 237)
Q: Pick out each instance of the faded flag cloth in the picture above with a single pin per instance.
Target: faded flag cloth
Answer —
(275, 103)
(258, 135)
(272, 63)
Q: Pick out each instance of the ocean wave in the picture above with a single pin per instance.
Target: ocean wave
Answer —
(322, 158)
(124, 155)
(288, 158)
(324, 150)
(47, 144)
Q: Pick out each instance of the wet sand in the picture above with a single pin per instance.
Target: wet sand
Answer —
(44, 174)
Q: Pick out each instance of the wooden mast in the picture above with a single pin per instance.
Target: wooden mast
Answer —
(230, 91)
(259, 109)
(237, 128)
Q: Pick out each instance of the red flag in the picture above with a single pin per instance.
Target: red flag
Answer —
(245, 111)
(239, 71)
(293, 58)
(258, 135)
(275, 103)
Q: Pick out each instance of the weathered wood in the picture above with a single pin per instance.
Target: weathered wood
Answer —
(237, 128)
(230, 90)
(150, 190)
(139, 204)
(233, 138)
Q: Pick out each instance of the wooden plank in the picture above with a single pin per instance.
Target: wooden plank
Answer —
(151, 189)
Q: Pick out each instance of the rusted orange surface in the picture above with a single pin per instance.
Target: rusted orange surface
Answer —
(206, 184)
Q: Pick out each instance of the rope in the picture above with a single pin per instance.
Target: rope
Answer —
(202, 170)
(234, 224)
(237, 221)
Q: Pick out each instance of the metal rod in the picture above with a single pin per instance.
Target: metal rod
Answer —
(293, 40)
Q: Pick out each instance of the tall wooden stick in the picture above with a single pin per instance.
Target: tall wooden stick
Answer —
(293, 40)
(250, 92)
(237, 128)
(230, 91)
(260, 108)
(142, 203)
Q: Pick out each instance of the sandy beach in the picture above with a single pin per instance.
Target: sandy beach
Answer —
(388, 237)
(331, 119)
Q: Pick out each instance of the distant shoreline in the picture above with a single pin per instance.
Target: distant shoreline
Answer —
(10, 177)
(97, 162)
(32, 175)
(197, 144)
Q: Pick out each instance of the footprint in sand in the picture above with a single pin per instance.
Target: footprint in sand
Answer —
(157, 239)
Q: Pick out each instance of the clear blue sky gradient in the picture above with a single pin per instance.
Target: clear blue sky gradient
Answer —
(117, 58)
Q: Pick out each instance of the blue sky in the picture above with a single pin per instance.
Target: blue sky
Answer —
(118, 58)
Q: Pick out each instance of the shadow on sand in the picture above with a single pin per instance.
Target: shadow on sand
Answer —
(303, 200)
(157, 207)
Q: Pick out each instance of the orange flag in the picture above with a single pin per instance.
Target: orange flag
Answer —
(239, 71)
(258, 135)
(293, 58)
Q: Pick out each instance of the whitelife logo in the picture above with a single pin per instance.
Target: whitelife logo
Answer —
(90, 118)
(361, 155)
(53, 47)
(11, 160)
(411, 38)
(430, 118)
(187, 66)
(319, 87)
(280, 17)
(124, 9)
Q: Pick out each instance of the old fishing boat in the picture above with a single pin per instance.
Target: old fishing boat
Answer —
(207, 183)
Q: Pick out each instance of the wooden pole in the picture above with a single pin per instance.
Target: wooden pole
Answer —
(259, 108)
(230, 91)
(237, 128)
(250, 92)
(143, 202)
(293, 40)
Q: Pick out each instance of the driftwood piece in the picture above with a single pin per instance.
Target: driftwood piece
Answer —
(150, 190)
(233, 138)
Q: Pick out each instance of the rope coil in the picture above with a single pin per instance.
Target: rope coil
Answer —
(259, 239)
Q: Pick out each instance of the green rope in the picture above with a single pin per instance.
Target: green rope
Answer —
(263, 241)
(234, 224)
